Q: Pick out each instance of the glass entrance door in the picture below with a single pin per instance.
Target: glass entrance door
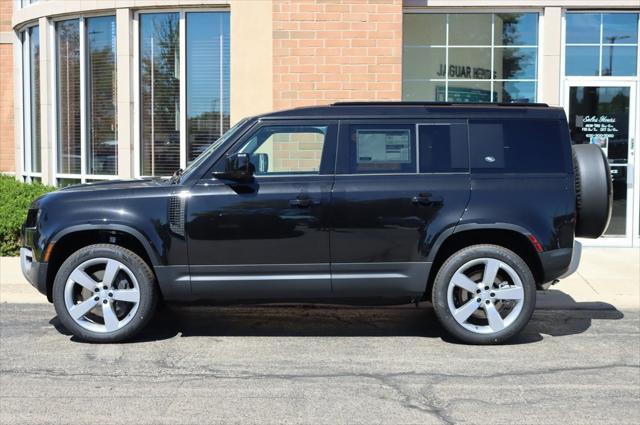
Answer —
(604, 115)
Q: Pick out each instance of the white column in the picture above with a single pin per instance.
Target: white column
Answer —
(47, 118)
(124, 48)
(552, 41)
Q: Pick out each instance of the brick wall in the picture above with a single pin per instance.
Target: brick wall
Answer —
(7, 129)
(336, 50)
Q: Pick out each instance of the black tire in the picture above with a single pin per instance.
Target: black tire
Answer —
(594, 191)
(462, 257)
(146, 282)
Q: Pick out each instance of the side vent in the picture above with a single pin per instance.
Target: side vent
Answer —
(176, 214)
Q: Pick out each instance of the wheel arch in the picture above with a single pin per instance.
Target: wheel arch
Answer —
(71, 239)
(508, 236)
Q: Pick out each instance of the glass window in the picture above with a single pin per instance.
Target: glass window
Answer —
(205, 116)
(207, 80)
(382, 149)
(443, 148)
(68, 83)
(516, 146)
(31, 102)
(160, 93)
(102, 137)
(601, 44)
(480, 53)
(515, 91)
(286, 149)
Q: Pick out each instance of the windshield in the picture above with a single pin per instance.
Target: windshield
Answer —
(204, 155)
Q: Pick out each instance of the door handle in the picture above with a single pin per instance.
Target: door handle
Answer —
(302, 202)
(426, 199)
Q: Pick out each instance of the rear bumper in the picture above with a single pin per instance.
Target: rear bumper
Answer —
(560, 263)
(33, 271)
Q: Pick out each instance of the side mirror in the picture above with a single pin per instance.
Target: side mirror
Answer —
(237, 167)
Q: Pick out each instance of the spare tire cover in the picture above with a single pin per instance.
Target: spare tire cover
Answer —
(594, 190)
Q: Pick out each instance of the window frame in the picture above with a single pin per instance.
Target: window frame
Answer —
(538, 82)
(137, 116)
(83, 176)
(26, 172)
(563, 47)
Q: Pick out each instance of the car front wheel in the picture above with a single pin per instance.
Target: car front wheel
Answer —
(104, 293)
(484, 294)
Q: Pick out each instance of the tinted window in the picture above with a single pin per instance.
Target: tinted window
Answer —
(382, 149)
(516, 146)
(443, 148)
(286, 149)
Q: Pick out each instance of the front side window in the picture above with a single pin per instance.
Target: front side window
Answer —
(601, 44)
(380, 148)
(32, 164)
(470, 57)
(86, 100)
(286, 149)
(201, 71)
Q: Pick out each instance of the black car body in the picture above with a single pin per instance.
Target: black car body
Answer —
(357, 230)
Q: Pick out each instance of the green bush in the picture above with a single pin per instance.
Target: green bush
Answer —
(15, 198)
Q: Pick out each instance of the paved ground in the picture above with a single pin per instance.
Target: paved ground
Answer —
(321, 365)
(578, 362)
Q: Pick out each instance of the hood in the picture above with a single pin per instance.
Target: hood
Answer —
(117, 184)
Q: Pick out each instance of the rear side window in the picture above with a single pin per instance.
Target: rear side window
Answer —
(443, 148)
(382, 149)
(516, 146)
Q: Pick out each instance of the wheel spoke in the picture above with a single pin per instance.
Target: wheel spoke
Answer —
(81, 278)
(79, 310)
(493, 316)
(110, 272)
(461, 280)
(490, 272)
(511, 293)
(110, 319)
(128, 295)
(462, 313)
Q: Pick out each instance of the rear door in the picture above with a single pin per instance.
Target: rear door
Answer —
(398, 186)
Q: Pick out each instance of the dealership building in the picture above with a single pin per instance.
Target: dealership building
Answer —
(107, 89)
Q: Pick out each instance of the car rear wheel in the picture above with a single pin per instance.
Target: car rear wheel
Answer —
(104, 293)
(484, 294)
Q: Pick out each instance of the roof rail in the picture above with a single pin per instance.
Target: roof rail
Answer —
(412, 103)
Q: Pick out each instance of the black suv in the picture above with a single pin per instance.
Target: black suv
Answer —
(472, 207)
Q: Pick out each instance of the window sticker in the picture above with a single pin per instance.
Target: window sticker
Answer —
(380, 146)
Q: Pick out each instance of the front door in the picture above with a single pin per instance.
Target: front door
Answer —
(604, 114)
(268, 237)
(398, 185)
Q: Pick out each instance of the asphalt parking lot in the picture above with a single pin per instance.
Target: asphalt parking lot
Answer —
(321, 365)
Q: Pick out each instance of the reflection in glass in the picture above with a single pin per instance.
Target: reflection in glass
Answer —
(469, 91)
(516, 29)
(159, 93)
(515, 91)
(68, 75)
(423, 29)
(618, 223)
(430, 91)
(424, 62)
(33, 100)
(582, 60)
(469, 29)
(102, 140)
(515, 62)
(469, 63)
(583, 28)
(207, 80)
(620, 28)
(619, 60)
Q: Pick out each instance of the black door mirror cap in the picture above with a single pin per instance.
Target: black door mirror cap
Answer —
(238, 166)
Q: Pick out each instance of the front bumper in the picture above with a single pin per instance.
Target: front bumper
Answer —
(33, 271)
